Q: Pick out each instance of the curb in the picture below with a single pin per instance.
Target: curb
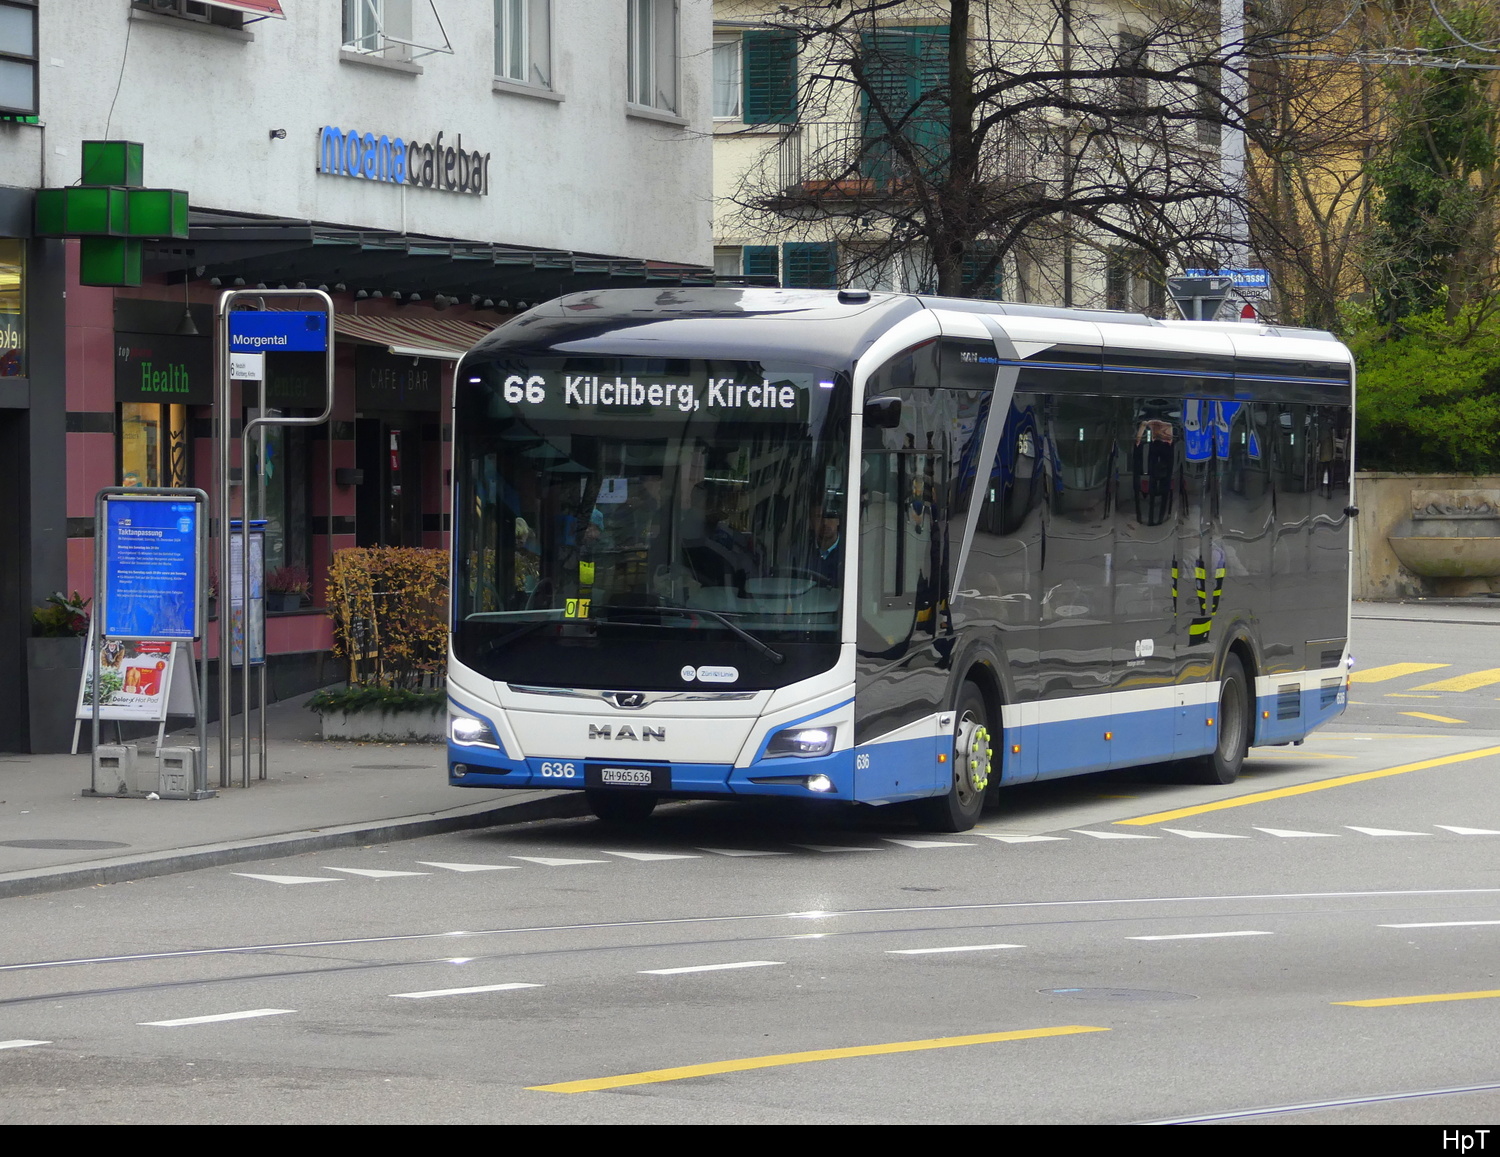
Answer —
(542, 806)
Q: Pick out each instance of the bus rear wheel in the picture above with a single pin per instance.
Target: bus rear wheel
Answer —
(621, 807)
(958, 809)
(1223, 764)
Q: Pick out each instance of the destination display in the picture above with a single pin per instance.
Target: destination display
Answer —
(783, 397)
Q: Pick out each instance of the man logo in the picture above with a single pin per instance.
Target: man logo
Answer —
(626, 700)
(627, 732)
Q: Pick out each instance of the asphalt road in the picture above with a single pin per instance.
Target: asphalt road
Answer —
(1255, 949)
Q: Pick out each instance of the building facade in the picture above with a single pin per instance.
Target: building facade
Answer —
(436, 167)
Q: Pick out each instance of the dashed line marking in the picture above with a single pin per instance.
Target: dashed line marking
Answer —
(928, 843)
(290, 879)
(955, 948)
(1469, 682)
(1021, 839)
(685, 1072)
(1435, 998)
(1384, 831)
(648, 856)
(1203, 835)
(1199, 935)
(216, 1017)
(431, 992)
(711, 967)
(1467, 831)
(1393, 671)
(1288, 834)
(470, 867)
(555, 861)
(1445, 924)
(741, 852)
(373, 873)
(1112, 835)
(22, 1044)
(835, 848)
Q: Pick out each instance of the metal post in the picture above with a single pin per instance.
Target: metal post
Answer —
(222, 430)
(96, 627)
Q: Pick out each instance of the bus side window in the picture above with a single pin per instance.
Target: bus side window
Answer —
(898, 516)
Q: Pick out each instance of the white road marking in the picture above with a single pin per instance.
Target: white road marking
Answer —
(928, 843)
(1112, 835)
(373, 873)
(1383, 831)
(1443, 924)
(1467, 831)
(1020, 839)
(290, 879)
(1203, 835)
(218, 1016)
(459, 991)
(470, 867)
(956, 948)
(1290, 835)
(554, 862)
(835, 848)
(741, 852)
(22, 1044)
(711, 967)
(1199, 935)
(650, 856)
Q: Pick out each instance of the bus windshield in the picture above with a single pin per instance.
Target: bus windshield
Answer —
(648, 523)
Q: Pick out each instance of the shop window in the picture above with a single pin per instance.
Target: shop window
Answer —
(153, 444)
(12, 309)
(18, 59)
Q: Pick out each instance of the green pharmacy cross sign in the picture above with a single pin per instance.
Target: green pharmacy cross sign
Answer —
(112, 212)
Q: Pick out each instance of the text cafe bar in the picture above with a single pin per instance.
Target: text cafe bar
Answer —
(447, 168)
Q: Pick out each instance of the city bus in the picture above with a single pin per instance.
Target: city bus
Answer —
(890, 550)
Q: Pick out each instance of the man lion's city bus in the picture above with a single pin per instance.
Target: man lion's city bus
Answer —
(887, 549)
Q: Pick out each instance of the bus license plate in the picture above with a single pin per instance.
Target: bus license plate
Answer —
(617, 775)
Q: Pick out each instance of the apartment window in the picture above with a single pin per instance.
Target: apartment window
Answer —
(523, 41)
(1132, 91)
(652, 50)
(727, 77)
(18, 80)
(1207, 100)
(203, 13)
(727, 260)
(1132, 281)
(378, 27)
(810, 265)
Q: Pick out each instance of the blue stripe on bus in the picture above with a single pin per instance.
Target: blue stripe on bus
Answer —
(1166, 372)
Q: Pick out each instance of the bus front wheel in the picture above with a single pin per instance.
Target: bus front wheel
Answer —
(1223, 764)
(621, 807)
(972, 768)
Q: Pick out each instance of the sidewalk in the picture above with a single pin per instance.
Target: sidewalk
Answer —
(1475, 610)
(316, 795)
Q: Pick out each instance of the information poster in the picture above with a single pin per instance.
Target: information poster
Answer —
(135, 680)
(255, 620)
(151, 571)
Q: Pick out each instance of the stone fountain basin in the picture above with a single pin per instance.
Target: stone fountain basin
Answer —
(1448, 556)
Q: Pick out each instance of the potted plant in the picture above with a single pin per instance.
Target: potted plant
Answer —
(54, 656)
(285, 587)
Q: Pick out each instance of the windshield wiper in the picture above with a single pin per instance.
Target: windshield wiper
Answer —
(689, 612)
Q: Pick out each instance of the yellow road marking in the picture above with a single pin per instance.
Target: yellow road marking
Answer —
(655, 1076)
(1434, 718)
(1434, 999)
(1464, 682)
(1392, 671)
(1304, 788)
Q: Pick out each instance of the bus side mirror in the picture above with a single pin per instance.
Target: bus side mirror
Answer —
(882, 413)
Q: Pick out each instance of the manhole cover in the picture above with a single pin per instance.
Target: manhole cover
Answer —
(62, 845)
(392, 767)
(1116, 994)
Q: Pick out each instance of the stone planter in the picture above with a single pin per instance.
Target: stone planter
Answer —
(54, 667)
(279, 602)
(424, 726)
(1452, 539)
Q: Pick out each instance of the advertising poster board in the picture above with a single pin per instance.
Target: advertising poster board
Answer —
(139, 680)
(151, 573)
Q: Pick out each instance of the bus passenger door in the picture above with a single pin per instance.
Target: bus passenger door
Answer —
(901, 680)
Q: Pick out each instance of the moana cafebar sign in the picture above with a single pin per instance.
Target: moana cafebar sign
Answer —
(446, 167)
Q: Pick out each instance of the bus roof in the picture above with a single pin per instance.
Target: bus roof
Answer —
(689, 322)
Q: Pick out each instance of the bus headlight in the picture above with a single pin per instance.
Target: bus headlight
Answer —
(803, 742)
(467, 731)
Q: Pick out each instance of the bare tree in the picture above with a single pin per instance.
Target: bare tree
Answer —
(1059, 138)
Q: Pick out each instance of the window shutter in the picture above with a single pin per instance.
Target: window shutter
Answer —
(760, 261)
(770, 78)
(906, 71)
(810, 265)
(973, 262)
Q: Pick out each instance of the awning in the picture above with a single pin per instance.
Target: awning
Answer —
(412, 337)
(261, 8)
